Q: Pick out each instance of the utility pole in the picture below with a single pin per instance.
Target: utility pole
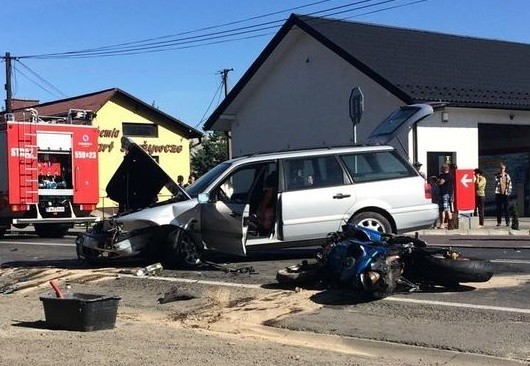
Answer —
(224, 77)
(8, 83)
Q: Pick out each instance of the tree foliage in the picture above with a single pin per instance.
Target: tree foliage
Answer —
(211, 151)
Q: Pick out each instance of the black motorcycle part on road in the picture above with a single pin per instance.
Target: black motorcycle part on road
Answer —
(439, 270)
(299, 274)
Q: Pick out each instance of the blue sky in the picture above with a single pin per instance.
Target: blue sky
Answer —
(184, 82)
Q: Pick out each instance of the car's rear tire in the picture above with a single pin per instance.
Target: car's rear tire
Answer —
(372, 220)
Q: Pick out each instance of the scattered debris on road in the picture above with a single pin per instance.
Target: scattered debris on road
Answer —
(176, 294)
(227, 269)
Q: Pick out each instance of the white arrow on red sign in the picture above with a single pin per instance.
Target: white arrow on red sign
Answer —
(465, 180)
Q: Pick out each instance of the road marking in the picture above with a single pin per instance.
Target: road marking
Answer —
(38, 243)
(510, 261)
(459, 305)
(396, 299)
(202, 282)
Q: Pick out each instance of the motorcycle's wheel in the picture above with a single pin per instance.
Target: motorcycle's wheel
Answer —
(382, 292)
(299, 274)
(440, 270)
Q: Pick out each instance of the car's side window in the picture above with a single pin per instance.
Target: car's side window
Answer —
(298, 173)
(236, 188)
(373, 166)
(330, 172)
(309, 173)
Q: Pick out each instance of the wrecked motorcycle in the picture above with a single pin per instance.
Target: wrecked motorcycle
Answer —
(380, 264)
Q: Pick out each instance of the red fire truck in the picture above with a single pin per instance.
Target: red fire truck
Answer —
(48, 172)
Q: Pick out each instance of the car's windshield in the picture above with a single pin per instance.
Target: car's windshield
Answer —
(205, 180)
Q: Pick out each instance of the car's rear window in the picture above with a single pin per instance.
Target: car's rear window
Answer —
(378, 165)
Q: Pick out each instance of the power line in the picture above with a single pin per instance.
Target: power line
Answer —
(42, 79)
(39, 85)
(217, 92)
(210, 38)
(149, 40)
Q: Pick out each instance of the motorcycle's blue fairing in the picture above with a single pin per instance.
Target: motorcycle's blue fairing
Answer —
(354, 255)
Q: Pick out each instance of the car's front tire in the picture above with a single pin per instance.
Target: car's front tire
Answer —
(181, 250)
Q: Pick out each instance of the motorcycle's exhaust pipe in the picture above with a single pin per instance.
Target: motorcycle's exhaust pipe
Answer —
(370, 278)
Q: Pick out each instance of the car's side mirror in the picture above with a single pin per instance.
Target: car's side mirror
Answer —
(203, 197)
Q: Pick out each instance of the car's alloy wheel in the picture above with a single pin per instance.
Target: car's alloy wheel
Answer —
(372, 220)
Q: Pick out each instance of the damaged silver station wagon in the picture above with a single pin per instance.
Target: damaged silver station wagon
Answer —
(274, 200)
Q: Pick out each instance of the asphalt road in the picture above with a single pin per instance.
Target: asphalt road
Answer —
(490, 319)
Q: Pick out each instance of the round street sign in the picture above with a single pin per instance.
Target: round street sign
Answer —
(356, 105)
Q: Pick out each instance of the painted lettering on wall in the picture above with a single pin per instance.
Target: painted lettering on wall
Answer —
(167, 148)
(109, 133)
(150, 148)
(106, 147)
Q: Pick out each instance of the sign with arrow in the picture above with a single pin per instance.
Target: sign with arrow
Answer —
(464, 190)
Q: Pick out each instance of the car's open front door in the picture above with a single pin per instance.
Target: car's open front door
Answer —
(226, 217)
(222, 226)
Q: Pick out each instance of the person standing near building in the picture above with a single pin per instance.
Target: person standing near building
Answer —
(445, 182)
(435, 192)
(191, 180)
(480, 195)
(180, 181)
(503, 189)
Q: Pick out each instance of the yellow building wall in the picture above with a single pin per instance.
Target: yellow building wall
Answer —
(171, 149)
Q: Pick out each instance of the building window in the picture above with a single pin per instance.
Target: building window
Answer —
(140, 129)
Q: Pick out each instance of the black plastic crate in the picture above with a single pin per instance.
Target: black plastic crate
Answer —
(81, 312)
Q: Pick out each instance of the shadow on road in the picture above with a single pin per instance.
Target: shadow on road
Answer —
(212, 262)
(74, 263)
(39, 324)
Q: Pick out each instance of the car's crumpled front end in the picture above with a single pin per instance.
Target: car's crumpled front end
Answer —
(141, 220)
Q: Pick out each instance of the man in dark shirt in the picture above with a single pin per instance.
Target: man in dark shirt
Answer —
(445, 181)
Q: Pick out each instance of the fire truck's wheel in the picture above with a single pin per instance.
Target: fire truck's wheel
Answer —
(52, 230)
(182, 251)
(2, 231)
(21, 226)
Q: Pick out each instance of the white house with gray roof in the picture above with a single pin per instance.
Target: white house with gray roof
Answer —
(296, 95)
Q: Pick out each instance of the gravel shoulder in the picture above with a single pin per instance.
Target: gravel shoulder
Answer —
(168, 322)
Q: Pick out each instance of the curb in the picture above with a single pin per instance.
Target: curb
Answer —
(475, 232)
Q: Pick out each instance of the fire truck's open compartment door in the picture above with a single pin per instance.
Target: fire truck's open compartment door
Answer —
(54, 161)
(54, 170)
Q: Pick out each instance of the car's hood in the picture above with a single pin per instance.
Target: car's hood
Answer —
(400, 120)
(138, 180)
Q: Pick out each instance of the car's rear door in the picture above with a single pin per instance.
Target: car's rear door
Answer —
(317, 196)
